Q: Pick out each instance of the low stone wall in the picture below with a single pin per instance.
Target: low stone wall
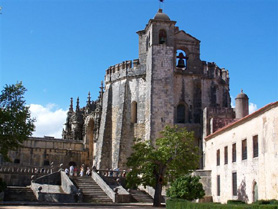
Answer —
(67, 185)
(51, 193)
(22, 175)
(117, 193)
(56, 187)
(205, 180)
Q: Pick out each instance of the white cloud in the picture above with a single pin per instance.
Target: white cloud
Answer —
(252, 107)
(49, 120)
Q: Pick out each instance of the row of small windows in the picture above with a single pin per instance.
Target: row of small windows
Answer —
(234, 184)
(243, 151)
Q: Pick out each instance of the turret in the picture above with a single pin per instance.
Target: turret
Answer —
(242, 105)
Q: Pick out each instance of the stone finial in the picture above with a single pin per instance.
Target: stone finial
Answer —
(71, 105)
(101, 87)
(89, 99)
(77, 105)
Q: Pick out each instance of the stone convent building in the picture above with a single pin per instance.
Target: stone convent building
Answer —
(167, 85)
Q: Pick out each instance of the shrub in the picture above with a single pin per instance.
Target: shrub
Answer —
(235, 202)
(186, 187)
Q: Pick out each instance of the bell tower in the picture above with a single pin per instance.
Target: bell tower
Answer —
(157, 52)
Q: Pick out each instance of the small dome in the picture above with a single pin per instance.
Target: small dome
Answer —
(241, 95)
(161, 16)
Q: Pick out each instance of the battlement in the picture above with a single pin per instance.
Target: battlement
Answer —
(123, 70)
(221, 112)
(211, 70)
(122, 66)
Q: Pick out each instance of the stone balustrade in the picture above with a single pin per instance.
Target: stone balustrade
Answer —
(112, 173)
(26, 169)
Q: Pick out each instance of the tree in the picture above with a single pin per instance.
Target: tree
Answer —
(173, 155)
(186, 187)
(16, 124)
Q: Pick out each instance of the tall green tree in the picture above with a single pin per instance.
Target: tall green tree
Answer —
(173, 155)
(16, 124)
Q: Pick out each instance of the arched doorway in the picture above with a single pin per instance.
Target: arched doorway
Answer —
(255, 192)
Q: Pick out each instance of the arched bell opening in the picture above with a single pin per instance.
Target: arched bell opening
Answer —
(162, 36)
(181, 59)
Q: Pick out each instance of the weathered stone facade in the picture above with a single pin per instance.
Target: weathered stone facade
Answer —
(167, 85)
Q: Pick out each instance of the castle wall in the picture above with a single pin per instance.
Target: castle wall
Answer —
(37, 151)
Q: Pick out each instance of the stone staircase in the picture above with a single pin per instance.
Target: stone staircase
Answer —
(17, 193)
(140, 196)
(90, 190)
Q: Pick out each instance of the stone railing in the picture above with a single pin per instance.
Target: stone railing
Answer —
(112, 173)
(115, 192)
(26, 169)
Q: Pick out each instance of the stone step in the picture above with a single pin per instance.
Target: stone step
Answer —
(91, 191)
(19, 194)
(141, 196)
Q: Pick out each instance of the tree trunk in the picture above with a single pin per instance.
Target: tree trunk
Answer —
(157, 194)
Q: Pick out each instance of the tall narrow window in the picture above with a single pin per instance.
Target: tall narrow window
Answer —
(234, 181)
(234, 153)
(226, 155)
(218, 185)
(244, 149)
(134, 112)
(162, 36)
(255, 146)
(218, 157)
(181, 113)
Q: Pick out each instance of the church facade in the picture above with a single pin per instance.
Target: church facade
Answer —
(167, 85)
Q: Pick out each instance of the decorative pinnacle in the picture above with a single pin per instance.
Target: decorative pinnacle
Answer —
(71, 105)
(89, 99)
(101, 87)
(77, 104)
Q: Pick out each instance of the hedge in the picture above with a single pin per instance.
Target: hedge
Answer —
(183, 204)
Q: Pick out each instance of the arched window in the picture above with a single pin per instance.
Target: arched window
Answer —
(162, 36)
(181, 113)
(134, 112)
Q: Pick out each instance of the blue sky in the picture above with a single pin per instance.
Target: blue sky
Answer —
(61, 48)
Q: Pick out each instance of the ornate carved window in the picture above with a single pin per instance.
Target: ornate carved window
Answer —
(134, 112)
(162, 36)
